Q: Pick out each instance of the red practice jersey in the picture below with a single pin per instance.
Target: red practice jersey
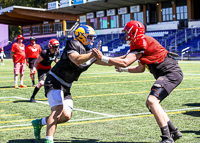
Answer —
(19, 52)
(152, 51)
(1, 50)
(33, 51)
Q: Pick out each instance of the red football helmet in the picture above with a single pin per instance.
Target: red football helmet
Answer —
(132, 29)
(54, 44)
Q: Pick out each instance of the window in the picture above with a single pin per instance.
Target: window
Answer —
(114, 21)
(26, 31)
(125, 19)
(35, 30)
(167, 14)
(147, 16)
(46, 29)
(93, 23)
(103, 23)
(57, 27)
(181, 12)
(138, 16)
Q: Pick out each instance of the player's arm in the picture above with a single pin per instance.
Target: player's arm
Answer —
(26, 53)
(12, 54)
(79, 59)
(133, 69)
(56, 60)
(38, 60)
(129, 59)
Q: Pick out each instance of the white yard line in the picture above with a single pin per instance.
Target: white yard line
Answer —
(127, 115)
(73, 108)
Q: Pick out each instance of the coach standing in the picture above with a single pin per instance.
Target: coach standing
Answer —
(18, 56)
(32, 53)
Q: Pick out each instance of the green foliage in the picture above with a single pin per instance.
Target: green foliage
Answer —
(16, 30)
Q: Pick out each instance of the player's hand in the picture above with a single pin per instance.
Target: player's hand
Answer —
(118, 69)
(97, 54)
(99, 45)
(27, 64)
(33, 70)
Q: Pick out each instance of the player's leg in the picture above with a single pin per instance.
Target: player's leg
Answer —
(16, 72)
(153, 101)
(61, 111)
(41, 75)
(32, 75)
(22, 70)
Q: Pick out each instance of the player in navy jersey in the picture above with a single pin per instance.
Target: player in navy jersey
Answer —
(152, 55)
(43, 64)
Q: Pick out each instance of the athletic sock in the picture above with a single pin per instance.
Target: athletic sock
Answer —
(33, 81)
(15, 82)
(171, 126)
(35, 92)
(21, 82)
(165, 131)
(49, 138)
(43, 121)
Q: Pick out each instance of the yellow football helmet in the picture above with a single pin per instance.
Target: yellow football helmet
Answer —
(83, 34)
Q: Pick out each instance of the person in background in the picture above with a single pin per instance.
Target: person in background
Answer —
(2, 54)
(18, 56)
(165, 69)
(32, 53)
(43, 64)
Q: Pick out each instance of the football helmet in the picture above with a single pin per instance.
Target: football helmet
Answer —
(54, 44)
(132, 29)
(85, 34)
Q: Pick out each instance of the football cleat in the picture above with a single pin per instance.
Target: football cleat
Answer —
(32, 100)
(16, 86)
(23, 86)
(37, 125)
(49, 141)
(176, 134)
(166, 139)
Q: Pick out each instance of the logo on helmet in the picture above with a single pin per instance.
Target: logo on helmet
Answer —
(83, 34)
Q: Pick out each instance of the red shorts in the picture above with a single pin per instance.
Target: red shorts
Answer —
(19, 68)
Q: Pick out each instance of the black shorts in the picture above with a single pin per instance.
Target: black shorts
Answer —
(31, 62)
(42, 74)
(168, 82)
(52, 83)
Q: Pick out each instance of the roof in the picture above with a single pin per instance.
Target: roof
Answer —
(20, 15)
(102, 5)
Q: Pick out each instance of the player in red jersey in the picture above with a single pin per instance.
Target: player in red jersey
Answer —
(32, 53)
(43, 64)
(2, 54)
(158, 61)
(18, 56)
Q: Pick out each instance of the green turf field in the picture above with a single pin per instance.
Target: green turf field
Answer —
(108, 107)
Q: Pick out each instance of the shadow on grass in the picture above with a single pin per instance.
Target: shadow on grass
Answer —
(75, 140)
(21, 101)
(7, 87)
(196, 132)
(193, 113)
(193, 104)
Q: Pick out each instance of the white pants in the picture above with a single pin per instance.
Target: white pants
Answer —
(56, 97)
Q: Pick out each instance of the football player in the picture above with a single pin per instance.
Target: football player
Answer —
(43, 64)
(76, 58)
(32, 53)
(2, 54)
(152, 55)
(18, 56)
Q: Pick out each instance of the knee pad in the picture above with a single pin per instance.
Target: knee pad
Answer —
(159, 92)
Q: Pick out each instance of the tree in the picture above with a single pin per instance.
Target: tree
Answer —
(16, 30)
